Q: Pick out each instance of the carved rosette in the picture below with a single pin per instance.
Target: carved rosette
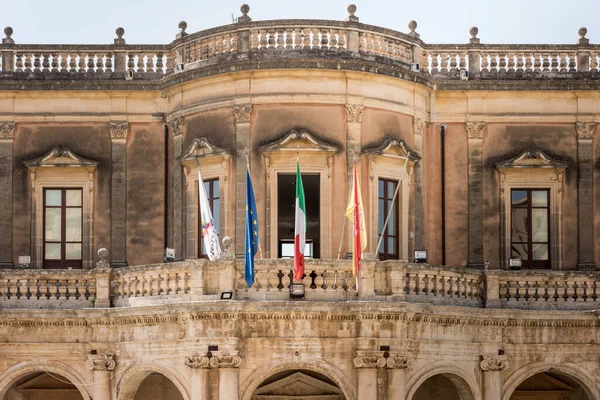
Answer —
(225, 361)
(197, 361)
(241, 114)
(397, 361)
(101, 362)
(7, 130)
(354, 113)
(491, 363)
(419, 126)
(177, 125)
(369, 360)
(118, 129)
(475, 130)
(585, 130)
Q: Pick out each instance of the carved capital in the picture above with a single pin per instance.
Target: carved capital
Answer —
(118, 129)
(494, 363)
(475, 130)
(585, 130)
(397, 361)
(225, 360)
(354, 113)
(177, 125)
(197, 361)
(241, 114)
(419, 126)
(7, 130)
(366, 359)
(101, 362)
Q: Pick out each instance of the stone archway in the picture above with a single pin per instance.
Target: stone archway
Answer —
(299, 385)
(150, 381)
(42, 385)
(444, 385)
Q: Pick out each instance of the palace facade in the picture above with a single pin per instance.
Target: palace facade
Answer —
(485, 156)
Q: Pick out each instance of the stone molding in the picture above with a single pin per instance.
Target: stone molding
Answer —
(475, 130)
(397, 361)
(241, 114)
(225, 360)
(366, 359)
(101, 362)
(118, 129)
(585, 130)
(419, 126)
(177, 125)
(354, 112)
(60, 157)
(494, 363)
(7, 130)
(197, 361)
(535, 158)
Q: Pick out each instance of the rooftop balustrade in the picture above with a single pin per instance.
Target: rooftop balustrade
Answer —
(297, 39)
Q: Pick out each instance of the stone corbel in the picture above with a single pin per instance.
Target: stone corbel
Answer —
(267, 168)
(366, 359)
(241, 114)
(354, 113)
(197, 361)
(7, 130)
(397, 361)
(475, 130)
(177, 125)
(585, 130)
(118, 129)
(101, 362)
(225, 360)
(226, 158)
(494, 363)
(329, 165)
(371, 167)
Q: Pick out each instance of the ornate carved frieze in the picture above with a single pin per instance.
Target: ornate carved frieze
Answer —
(366, 359)
(241, 114)
(419, 126)
(354, 113)
(197, 361)
(475, 130)
(7, 130)
(494, 363)
(397, 361)
(118, 129)
(585, 130)
(101, 362)
(225, 360)
(177, 124)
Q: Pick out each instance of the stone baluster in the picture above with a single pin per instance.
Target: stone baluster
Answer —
(7, 135)
(81, 65)
(18, 62)
(102, 367)
(585, 134)
(45, 58)
(367, 363)
(91, 63)
(72, 62)
(492, 367)
(554, 62)
(510, 62)
(55, 62)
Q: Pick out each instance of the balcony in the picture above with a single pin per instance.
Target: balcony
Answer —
(326, 280)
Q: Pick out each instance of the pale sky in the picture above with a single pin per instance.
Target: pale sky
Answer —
(439, 21)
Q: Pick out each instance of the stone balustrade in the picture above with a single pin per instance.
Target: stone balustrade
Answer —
(325, 280)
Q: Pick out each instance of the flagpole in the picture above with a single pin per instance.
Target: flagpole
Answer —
(344, 221)
(393, 200)
(248, 168)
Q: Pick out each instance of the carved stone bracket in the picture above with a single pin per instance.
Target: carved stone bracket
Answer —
(585, 130)
(354, 113)
(494, 363)
(475, 130)
(197, 361)
(7, 130)
(365, 359)
(241, 114)
(397, 361)
(419, 126)
(177, 125)
(101, 362)
(118, 129)
(225, 360)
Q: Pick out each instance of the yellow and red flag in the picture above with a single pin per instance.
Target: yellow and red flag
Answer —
(356, 213)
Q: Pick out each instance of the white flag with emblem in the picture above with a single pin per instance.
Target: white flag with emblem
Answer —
(209, 231)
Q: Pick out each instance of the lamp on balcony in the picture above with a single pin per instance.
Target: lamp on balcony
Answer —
(296, 290)
(227, 295)
(515, 263)
(420, 256)
(24, 261)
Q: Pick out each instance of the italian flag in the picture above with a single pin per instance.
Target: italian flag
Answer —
(300, 230)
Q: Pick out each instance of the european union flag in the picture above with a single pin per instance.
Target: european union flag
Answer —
(251, 231)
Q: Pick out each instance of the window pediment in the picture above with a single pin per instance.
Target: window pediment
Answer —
(202, 148)
(393, 148)
(536, 158)
(298, 384)
(298, 140)
(61, 157)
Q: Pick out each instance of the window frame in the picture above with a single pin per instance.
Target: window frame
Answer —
(383, 253)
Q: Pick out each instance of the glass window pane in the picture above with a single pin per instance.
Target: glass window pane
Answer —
(53, 224)
(215, 213)
(73, 225)
(539, 198)
(539, 225)
(381, 183)
(540, 251)
(216, 189)
(519, 198)
(519, 250)
(287, 250)
(381, 216)
(391, 228)
(519, 225)
(73, 198)
(53, 198)
(391, 189)
(207, 188)
(52, 251)
(392, 245)
(73, 251)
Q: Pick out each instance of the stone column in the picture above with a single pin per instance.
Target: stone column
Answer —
(228, 364)
(585, 165)
(199, 381)
(397, 365)
(241, 116)
(367, 363)
(7, 130)
(177, 126)
(492, 367)
(475, 177)
(102, 367)
(119, 131)
(354, 115)
(420, 127)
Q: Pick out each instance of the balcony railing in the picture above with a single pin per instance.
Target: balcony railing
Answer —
(325, 280)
